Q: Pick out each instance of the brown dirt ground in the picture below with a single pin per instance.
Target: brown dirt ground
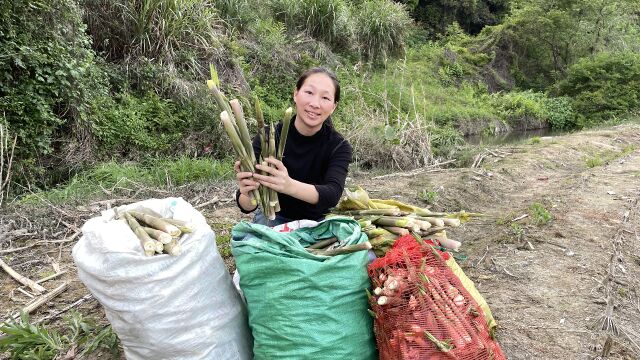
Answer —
(547, 284)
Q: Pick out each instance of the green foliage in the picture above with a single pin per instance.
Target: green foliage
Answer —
(48, 78)
(144, 124)
(535, 140)
(28, 341)
(520, 108)
(604, 86)
(381, 28)
(472, 16)
(559, 113)
(539, 214)
(545, 37)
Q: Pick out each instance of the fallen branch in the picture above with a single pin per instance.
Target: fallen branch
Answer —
(67, 308)
(212, 201)
(51, 277)
(44, 299)
(38, 289)
(519, 217)
(434, 167)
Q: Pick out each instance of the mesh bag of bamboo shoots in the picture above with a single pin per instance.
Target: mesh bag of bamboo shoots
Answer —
(306, 290)
(180, 306)
(423, 311)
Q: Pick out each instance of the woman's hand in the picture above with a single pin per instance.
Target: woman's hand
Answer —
(246, 182)
(277, 177)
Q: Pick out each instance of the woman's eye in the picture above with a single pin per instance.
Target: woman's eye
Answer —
(308, 92)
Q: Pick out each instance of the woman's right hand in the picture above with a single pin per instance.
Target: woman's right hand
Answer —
(246, 184)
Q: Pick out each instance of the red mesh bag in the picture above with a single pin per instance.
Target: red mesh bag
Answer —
(422, 309)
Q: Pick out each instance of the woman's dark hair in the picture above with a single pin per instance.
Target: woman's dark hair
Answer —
(321, 70)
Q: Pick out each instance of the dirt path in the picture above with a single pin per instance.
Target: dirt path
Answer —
(547, 284)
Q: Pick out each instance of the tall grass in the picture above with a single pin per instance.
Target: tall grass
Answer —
(325, 20)
(381, 28)
(114, 177)
(165, 30)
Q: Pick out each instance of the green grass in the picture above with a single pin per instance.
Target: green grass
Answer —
(539, 214)
(535, 140)
(108, 177)
(608, 156)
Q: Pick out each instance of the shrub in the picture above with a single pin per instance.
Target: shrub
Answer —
(559, 113)
(604, 86)
(48, 77)
(130, 124)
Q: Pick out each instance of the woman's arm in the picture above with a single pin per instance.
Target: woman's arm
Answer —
(324, 195)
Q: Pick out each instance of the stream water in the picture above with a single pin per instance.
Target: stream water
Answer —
(508, 138)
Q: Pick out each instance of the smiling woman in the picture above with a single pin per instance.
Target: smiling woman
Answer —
(311, 176)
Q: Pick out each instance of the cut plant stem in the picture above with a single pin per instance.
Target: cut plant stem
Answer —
(396, 230)
(173, 248)
(185, 227)
(156, 234)
(156, 223)
(342, 250)
(38, 289)
(245, 160)
(242, 126)
(323, 243)
(286, 121)
(146, 241)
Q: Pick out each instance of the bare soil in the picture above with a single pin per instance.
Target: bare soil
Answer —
(549, 285)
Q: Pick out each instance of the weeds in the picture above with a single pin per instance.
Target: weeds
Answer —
(594, 161)
(30, 341)
(428, 196)
(518, 231)
(539, 214)
(223, 238)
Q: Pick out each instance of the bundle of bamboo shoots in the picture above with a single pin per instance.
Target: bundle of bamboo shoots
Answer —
(235, 125)
(157, 235)
(384, 221)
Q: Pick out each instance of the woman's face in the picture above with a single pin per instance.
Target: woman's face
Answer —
(314, 103)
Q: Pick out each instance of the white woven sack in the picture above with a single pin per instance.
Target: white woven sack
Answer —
(164, 307)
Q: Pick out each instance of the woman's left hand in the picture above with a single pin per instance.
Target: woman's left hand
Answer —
(278, 177)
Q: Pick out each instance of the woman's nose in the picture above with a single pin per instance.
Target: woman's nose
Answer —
(315, 102)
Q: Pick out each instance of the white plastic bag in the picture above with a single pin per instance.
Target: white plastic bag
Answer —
(164, 307)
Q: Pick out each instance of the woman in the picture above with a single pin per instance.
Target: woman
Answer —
(311, 176)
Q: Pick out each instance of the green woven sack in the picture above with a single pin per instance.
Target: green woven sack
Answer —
(304, 306)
